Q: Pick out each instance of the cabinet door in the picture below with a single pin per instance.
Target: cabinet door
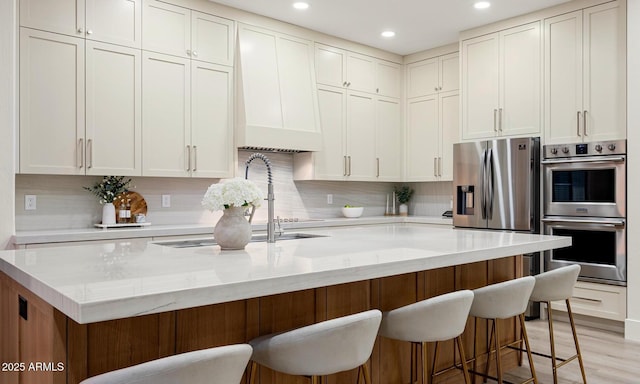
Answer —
(330, 161)
(449, 72)
(331, 66)
(115, 21)
(388, 79)
(604, 99)
(211, 38)
(389, 138)
(211, 120)
(520, 81)
(361, 149)
(60, 16)
(361, 72)
(449, 105)
(114, 120)
(480, 79)
(51, 103)
(166, 29)
(422, 78)
(563, 78)
(422, 138)
(166, 115)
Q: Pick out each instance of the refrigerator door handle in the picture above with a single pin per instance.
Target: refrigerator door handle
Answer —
(490, 185)
(483, 197)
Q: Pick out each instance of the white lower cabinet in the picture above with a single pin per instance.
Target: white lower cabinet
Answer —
(68, 129)
(597, 300)
(432, 128)
(186, 118)
(362, 138)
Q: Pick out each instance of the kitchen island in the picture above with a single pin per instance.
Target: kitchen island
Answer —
(98, 308)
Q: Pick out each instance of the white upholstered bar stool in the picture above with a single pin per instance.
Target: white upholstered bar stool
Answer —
(436, 319)
(324, 348)
(558, 285)
(502, 301)
(220, 365)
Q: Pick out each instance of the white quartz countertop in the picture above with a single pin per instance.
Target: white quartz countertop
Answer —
(91, 283)
(92, 234)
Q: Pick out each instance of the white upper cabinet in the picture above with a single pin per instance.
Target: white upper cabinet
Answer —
(389, 139)
(190, 34)
(438, 74)
(114, 21)
(585, 75)
(354, 71)
(501, 83)
(278, 106)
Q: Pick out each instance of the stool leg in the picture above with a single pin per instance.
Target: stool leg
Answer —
(365, 371)
(252, 372)
(463, 359)
(435, 360)
(575, 339)
(554, 362)
(475, 348)
(498, 360)
(526, 343)
(488, 366)
(414, 363)
(425, 364)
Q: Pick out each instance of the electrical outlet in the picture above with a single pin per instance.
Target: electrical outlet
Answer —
(329, 199)
(30, 202)
(166, 201)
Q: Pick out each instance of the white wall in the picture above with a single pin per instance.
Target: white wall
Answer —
(632, 324)
(7, 119)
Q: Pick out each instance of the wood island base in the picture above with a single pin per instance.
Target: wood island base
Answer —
(85, 350)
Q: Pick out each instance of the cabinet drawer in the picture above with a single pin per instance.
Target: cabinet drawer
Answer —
(597, 300)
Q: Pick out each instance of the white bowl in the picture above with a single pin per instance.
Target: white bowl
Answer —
(352, 211)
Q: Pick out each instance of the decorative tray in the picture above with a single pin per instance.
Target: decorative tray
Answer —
(124, 225)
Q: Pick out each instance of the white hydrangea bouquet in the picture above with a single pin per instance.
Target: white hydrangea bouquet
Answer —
(232, 193)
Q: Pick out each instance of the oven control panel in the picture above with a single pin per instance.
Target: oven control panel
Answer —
(616, 147)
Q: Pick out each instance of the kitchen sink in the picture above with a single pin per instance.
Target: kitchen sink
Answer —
(254, 238)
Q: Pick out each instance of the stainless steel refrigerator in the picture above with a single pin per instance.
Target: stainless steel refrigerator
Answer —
(497, 184)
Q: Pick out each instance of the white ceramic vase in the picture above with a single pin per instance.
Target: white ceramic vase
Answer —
(232, 231)
(403, 209)
(108, 214)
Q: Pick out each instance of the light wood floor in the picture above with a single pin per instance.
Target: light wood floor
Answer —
(608, 357)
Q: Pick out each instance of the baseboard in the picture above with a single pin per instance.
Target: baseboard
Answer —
(632, 329)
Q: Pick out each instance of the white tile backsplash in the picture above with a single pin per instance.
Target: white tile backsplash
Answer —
(63, 204)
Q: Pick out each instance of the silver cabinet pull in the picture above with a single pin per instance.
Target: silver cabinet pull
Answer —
(349, 172)
(500, 119)
(435, 166)
(344, 165)
(377, 167)
(80, 156)
(195, 158)
(188, 158)
(89, 153)
(495, 120)
(584, 123)
(587, 299)
(578, 124)
(439, 166)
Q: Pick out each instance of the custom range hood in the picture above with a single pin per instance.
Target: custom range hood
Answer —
(276, 98)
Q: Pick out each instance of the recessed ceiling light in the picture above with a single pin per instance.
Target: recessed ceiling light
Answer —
(300, 5)
(482, 5)
(388, 34)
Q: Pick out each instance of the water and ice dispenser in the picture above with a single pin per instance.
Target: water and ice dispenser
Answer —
(465, 199)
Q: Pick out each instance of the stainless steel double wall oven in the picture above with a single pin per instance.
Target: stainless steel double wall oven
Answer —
(584, 189)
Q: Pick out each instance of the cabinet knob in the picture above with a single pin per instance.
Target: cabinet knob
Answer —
(188, 52)
(80, 30)
(344, 83)
(195, 53)
(89, 32)
(435, 88)
(377, 90)
(348, 84)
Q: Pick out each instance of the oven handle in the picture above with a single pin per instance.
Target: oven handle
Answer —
(583, 160)
(604, 223)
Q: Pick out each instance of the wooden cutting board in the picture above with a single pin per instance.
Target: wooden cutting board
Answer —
(138, 204)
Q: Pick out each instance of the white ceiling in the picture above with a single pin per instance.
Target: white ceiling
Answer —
(419, 24)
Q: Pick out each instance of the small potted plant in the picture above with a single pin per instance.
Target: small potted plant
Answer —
(107, 190)
(403, 194)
